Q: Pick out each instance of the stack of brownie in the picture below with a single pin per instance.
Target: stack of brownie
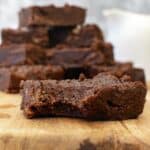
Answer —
(23, 51)
(67, 67)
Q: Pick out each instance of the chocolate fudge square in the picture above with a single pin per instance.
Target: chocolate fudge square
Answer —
(118, 69)
(21, 54)
(36, 35)
(74, 72)
(84, 36)
(75, 57)
(11, 77)
(105, 47)
(51, 16)
(71, 56)
(105, 97)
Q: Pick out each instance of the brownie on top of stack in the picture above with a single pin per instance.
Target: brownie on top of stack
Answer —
(67, 67)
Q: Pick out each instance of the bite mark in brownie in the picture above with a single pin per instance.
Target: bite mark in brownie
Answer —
(105, 97)
(11, 77)
(51, 16)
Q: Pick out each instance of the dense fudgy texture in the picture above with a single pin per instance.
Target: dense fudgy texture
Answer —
(41, 36)
(76, 57)
(52, 16)
(21, 54)
(85, 36)
(36, 35)
(117, 69)
(104, 97)
(99, 45)
(138, 75)
(58, 34)
(11, 77)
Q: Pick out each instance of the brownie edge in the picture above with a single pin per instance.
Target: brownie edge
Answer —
(51, 16)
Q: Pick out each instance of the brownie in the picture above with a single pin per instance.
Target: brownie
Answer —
(85, 36)
(75, 57)
(58, 34)
(11, 77)
(21, 54)
(118, 69)
(138, 75)
(51, 16)
(105, 97)
(105, 47)
(36, 35)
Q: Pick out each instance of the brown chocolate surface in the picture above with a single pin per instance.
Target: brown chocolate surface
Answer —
(36, 35)
(58, 34)
(138, 74)
(21, 54)
(118, 69)
(105, 97)
(104, 47)
(51, 16)
(11, 77)
(74, 57)
(84, 36)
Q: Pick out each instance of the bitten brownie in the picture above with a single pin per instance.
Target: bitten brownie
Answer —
(11, 77)
(21, 54)
(36, 35)
(52, 16)
(105, 97)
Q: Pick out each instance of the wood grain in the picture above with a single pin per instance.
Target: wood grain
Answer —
(19, 133)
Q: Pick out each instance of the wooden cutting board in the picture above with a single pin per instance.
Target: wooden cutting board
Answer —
(19, 133)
